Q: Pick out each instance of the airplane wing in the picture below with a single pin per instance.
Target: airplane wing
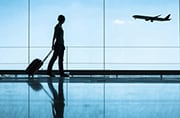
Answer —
(157, 16)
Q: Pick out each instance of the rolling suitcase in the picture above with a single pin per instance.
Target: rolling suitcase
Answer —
(35, 65)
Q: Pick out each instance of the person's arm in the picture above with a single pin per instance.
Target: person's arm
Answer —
(54, 37)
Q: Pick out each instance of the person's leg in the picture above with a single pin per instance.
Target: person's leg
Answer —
(51, 63)
(60, 61)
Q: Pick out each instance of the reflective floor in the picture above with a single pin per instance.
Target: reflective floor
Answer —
(81, 98)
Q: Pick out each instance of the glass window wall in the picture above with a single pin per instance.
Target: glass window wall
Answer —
(98, 34)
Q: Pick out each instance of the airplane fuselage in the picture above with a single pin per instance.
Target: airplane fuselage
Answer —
(147, 18)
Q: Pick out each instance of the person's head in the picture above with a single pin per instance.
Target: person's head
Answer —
(61, 19)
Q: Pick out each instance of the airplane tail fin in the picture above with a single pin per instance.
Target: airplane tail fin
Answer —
(167, 17)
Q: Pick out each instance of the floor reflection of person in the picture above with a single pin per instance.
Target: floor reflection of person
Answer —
(58, 99)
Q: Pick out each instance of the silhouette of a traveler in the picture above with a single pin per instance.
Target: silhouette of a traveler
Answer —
(58, 47)
(58, 99)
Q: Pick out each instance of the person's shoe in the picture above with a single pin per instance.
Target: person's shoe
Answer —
(50, 74)
(64, 75)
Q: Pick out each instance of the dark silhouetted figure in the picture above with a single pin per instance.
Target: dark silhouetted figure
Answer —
(58, 47)
(58, 99)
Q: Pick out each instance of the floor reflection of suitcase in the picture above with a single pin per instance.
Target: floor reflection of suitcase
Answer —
(35, 65)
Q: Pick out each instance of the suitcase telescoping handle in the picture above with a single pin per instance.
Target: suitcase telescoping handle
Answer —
(47, 56)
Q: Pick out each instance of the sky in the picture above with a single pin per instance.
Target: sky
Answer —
(130, 43)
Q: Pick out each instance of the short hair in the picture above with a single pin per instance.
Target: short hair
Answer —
(61, 18)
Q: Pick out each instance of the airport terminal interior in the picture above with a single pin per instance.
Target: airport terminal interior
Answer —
(122, 58)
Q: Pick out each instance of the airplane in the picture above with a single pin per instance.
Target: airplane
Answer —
(155, 18)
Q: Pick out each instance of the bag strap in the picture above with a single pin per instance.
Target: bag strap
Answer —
(47, 56)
